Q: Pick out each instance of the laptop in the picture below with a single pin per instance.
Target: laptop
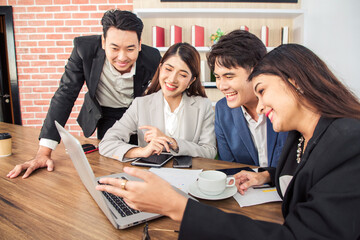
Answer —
(115, 209)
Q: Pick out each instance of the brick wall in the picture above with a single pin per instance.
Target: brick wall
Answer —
(44, 33)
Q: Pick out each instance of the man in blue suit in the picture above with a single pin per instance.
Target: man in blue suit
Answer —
(242, 135)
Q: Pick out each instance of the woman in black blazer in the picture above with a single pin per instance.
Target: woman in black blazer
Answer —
(318, 171)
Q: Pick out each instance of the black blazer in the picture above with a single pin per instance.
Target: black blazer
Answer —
(85, 65)
(321, 202)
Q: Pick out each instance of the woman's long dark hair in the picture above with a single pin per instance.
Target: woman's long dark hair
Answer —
(316, 83)
(191, 57)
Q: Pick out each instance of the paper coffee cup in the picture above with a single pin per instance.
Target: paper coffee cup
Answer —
(5, 144)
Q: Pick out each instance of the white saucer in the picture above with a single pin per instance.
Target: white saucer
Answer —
(228, 192)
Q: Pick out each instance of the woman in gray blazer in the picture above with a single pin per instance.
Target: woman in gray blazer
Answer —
(178, 119)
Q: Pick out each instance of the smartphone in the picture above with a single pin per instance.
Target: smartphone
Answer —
(153, 160)
(233, 171)
(182, 161)
(88, 148)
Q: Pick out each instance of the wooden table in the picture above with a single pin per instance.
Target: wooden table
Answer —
(56, 205)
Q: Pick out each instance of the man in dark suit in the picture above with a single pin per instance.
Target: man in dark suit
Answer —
(242, 135)
(116, 67)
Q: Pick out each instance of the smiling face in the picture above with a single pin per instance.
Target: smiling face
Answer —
(121, 48)
(175, 76)
(277, 102)
(232, 82)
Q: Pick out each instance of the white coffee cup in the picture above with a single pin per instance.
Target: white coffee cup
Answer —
(214, 182)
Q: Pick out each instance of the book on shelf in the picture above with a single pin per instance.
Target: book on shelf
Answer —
(265, 35)
(175, 34)
(197, 36)
(158, 35)
(205, 74)
(244, 27)
(285, 35)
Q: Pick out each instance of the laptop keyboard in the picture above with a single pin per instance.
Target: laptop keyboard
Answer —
(119, 204)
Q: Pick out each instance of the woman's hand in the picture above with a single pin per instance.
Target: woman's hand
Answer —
(151, 133)
(246, 179)
(153, 195)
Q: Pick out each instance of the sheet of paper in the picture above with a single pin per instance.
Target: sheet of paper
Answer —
(257, 196)
(179, 178)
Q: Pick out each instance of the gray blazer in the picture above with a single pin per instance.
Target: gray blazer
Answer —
(198, 125)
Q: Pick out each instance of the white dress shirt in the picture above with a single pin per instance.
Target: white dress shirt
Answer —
(258, 135)
(173, 119)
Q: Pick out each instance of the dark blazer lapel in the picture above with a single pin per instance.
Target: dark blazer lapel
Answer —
(96, 70)
(142, 77)
(271, 140)
(244, 133)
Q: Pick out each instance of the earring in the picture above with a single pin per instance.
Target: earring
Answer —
(188, 87)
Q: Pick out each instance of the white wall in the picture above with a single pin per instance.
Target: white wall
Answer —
(332, 31)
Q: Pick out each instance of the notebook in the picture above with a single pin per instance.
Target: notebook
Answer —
(116, 210)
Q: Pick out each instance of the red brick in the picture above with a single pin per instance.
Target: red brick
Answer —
(52, 9)
(27, 115)
(47, 70)
(38, 50)
(71, 36)
(27, 103)
(47, 96)
(45, 30)
(22, 77)
(98, 1)
(20, 50)
(24, 16)
(55, 23)
(80, 15)
(41, 102)
(38, 63)
(125, 7)
(73, 23)
(22, 63)
(41, 89)
(46, 43)
(47, 56)
(62, 15)
(37, 37)
(55, 50)
(30, 70)
(55, 76)
(29, 57)
(17, 9)
(41, 115)
(28, 44)
(88, 8)
(39, 76)
(36, 23)
(70, 8)
(19, 37)
(31, 96)
(63, 43)
(35, 121)
(31, 83)
(63, 29)
(97, 30)
(41, 2)
(117, 1)
(61, 2)
(49, 83)
(92, 22)
(98, 15)
(26, 30)
(35, 9)
(54, 36)
(25, 90)
(20, 23)
(60, 70)
(106, 7)
(44, 16)
(85, 30)
(56, 63)
(80, 1)
(25, 2)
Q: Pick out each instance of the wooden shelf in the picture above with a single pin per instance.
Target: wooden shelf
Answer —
(217, 13)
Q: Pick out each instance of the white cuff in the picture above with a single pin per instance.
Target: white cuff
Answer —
(48, 143)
